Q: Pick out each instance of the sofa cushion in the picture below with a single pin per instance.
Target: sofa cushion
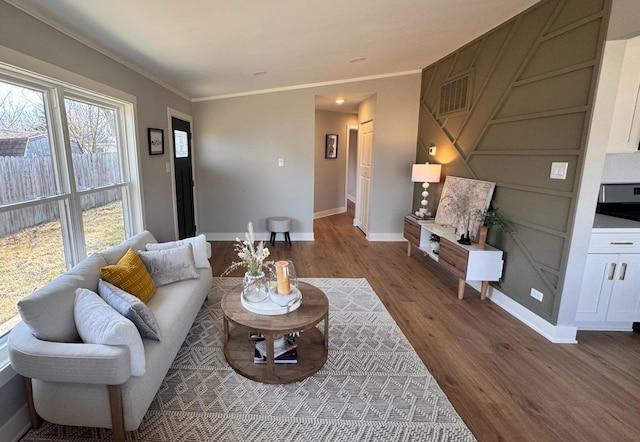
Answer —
(137, 242)
(48, 311)
(131, 308)
(98, 323)
(199, 243)
(131, 276)
(170, 265)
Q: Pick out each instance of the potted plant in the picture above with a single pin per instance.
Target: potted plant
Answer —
(434, 243)
(490, 219)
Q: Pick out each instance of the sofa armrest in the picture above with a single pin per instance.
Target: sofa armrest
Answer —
(67, 362)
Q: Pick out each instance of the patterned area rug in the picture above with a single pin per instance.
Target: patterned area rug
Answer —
(373, 387)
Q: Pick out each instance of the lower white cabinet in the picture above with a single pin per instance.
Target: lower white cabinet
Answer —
(610, 294)
(624, 304)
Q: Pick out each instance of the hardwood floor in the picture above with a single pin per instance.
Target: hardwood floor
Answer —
(507, 382)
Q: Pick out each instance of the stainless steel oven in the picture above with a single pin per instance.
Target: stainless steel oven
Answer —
(620, 200)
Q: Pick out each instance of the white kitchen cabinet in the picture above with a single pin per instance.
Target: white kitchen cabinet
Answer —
(610, 288)
(624, 304)
(610, 294)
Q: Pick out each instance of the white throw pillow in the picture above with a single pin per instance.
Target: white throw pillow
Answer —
(199, 244)
(132, 308)
(98, 323)
(170, 265)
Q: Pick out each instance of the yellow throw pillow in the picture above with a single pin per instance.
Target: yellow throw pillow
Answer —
(130, 275)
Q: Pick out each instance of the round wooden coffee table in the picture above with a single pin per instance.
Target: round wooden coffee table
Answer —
(312, 344)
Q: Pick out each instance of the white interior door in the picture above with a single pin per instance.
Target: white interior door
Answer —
(364, 176)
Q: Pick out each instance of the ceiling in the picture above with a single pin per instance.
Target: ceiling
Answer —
(205, 49)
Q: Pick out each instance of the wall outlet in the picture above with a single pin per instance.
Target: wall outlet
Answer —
(536, 294)
(280, 162)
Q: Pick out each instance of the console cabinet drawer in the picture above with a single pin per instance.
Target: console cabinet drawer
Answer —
(412, 232)
(453, 258)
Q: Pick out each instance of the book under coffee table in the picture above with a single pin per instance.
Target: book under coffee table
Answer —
(312, 344)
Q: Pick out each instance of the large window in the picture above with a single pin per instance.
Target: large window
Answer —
(67, 182)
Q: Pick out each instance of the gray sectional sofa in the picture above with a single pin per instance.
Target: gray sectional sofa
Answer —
(75, 383)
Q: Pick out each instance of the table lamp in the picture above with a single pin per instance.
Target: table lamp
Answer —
(425, 174)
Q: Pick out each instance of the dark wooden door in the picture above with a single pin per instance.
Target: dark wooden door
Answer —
(181, 131)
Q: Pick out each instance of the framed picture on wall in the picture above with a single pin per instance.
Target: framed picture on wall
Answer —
(156, 141)
(331, 146)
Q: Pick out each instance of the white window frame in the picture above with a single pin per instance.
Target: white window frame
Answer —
(67, 196)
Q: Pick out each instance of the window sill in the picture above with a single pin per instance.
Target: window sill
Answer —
(6, 371)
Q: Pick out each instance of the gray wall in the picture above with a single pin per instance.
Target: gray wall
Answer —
(239, 141)
(532, 97)
(330, 174)
(29, 36)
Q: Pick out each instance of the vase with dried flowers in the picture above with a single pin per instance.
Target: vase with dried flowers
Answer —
(253, 257)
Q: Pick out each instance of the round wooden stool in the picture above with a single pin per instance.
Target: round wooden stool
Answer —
(279, 224)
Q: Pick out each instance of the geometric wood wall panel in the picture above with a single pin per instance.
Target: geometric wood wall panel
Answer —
(523, 170)
(530, 101)
(537, 133)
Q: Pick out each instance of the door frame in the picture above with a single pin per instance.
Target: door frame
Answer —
(357, 219)
(350, 127)
(172, 170)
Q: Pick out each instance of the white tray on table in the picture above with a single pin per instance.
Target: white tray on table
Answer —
(268, 307)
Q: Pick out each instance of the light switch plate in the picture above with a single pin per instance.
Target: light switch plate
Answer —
(280, 162)
(559, 170)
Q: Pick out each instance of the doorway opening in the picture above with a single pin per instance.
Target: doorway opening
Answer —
(336, 179)
(183, 177)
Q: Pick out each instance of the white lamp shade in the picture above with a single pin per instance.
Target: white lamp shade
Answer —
(426, 173)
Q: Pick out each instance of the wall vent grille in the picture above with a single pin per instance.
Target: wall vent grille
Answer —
(454, 95)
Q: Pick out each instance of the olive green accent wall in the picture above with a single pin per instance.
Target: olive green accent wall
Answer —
(532, 93)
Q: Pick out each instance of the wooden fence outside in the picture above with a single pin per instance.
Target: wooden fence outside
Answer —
(28, 178)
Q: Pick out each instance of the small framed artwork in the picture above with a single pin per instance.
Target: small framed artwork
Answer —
(331, 146)
(156, 141)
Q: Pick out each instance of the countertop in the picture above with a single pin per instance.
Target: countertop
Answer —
(612, 224)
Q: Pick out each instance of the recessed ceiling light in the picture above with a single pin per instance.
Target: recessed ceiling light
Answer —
(259, 73)
(358, 59)
(340, 101)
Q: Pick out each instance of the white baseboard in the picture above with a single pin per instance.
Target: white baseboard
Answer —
(330, 212)
(17, 425)
(558, 334)
(385, 237)
(605, 326)
(260, 236)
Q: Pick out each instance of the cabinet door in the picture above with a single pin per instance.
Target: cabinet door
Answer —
(453, 258)
(412, 232)
(625, 296)
(599, 276)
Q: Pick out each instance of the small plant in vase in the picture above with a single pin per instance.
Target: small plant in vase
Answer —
(490, 219)
(434, 243)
